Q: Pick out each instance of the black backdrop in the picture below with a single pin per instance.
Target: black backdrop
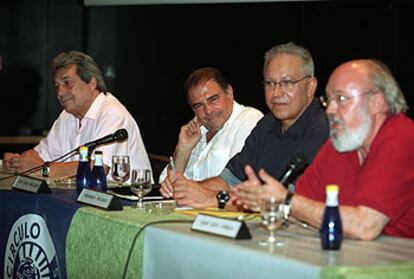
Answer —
(147, 51)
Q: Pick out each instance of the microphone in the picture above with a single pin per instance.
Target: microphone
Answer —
(119, 135)
(296, 165)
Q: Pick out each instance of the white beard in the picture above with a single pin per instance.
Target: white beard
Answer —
(350, 139)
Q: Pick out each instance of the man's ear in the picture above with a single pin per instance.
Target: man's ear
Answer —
(92, 84)
(229, 91)
(313, 83)
(377, 103)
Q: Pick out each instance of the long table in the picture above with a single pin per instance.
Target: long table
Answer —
(94, 243)
(175, 252)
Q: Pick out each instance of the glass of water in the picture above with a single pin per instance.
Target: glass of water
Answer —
(120, 168)
(272, 220)
(140, 184)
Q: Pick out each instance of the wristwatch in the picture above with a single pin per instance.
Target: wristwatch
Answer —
(46, 169)
(222, 198)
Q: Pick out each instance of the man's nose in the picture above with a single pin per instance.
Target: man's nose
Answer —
(59, 90)
(332, 107)
(277, 90)
(208, 109)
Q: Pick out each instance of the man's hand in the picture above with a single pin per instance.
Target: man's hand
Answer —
(8, 162)
(166, 189)
(271, 188)
(190, 134)
(247, 195)
(192, 193)
(16, 163)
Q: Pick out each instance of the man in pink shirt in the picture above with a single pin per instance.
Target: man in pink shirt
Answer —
(90, 112)
(369, 155)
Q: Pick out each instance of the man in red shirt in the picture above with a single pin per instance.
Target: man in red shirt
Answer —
(369, 155)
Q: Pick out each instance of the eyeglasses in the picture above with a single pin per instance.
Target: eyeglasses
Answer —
(341, 100)
(284, 84)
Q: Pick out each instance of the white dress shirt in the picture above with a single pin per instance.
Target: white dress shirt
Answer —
(104, 117)
(209, 159)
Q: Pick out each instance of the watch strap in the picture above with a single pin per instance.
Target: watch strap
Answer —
(221, 205)
(286, 204)
(288, 198)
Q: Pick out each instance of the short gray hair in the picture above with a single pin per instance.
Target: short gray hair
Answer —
(291, 48)
(86, 67)
(383, 79)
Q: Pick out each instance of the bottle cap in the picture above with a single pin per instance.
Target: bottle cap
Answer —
(98, 152)
(332, 188)
(83, 148)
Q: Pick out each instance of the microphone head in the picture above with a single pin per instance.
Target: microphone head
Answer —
(299, 162)
(121, 135)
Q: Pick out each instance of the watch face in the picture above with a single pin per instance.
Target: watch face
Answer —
(45, 170)
(222, 198)
(223, 195)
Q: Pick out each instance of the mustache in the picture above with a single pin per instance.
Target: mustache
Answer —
(279, 100)
(65, 98)
(333, 120)
(211, 116)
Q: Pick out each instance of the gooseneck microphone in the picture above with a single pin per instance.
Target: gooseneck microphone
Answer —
(296, 165)
(119, 135)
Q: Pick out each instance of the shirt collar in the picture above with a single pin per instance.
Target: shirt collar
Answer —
(236, 110)
(92, 112)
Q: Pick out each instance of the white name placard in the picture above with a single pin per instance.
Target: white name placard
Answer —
(221, 226)
(31, 184)
(99, 199)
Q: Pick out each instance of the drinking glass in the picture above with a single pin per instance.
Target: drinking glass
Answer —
(140, 184)
(272, 220)
(120, 168)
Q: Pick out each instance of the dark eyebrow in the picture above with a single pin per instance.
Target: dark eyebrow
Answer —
(213, 96)
(195, 104)
(63, 78)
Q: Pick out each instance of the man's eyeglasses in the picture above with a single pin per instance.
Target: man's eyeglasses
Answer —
(284, 84)
(341, 100)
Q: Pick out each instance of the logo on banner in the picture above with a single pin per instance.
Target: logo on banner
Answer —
(30, 252)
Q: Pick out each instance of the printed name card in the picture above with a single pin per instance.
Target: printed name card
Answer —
(221, 226)
(31, 184)
(99, 199)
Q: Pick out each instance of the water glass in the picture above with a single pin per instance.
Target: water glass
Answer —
(272, 220)
(140, 184)
(120, 168)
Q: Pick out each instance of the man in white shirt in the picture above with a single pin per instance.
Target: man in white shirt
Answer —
(90, 112)
(215, 134)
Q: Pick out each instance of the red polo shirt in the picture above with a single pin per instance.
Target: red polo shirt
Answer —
(384, 182)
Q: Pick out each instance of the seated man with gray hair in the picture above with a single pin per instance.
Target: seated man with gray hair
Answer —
(90, 112)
